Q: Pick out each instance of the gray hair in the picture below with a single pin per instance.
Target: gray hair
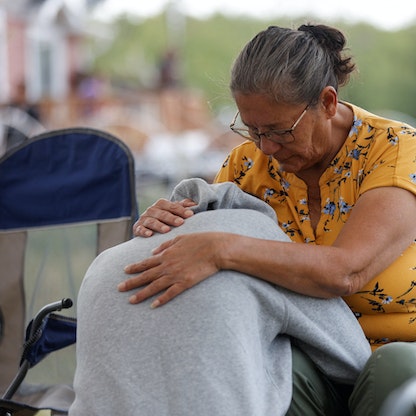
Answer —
(292, 66)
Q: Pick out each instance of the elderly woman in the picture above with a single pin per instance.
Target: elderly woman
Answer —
(342, 182)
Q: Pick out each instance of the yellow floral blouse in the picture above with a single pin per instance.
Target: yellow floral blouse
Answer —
(377, 152)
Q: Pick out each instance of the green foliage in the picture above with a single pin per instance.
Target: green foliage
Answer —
(207, 48)
(387, 67)
(134, 46)
(211, 47)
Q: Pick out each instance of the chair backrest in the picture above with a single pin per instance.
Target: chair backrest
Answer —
(65, 196)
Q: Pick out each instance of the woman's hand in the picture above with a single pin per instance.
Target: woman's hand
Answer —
(160, 216)
(176, 265)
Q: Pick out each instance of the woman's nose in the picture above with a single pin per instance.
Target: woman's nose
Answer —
(268, 147)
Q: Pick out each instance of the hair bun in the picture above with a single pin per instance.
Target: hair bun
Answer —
(326, 36)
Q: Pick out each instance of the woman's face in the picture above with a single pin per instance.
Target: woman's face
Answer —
(311, 137)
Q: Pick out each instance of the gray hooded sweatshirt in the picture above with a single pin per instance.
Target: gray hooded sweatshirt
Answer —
(222, 347)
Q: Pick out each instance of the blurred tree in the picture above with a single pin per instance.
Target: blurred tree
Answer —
(387, 64)
(386, 59)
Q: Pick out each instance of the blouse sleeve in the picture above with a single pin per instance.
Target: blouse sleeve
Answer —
(393, 163)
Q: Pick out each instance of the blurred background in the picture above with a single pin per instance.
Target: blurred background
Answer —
(155, 73)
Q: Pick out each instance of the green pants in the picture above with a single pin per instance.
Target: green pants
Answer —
(386, 370)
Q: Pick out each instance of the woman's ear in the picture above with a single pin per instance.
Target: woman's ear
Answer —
(329, 101)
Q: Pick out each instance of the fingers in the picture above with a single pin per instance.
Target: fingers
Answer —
(187, 203)
(157, 286)
(168, 295)
(161, 216)
(175, 266)
(163, 246)
(151, 285)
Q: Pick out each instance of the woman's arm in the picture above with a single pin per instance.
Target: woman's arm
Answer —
(381, 226)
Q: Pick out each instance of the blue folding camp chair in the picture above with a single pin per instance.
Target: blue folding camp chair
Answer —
(46, 333)
(65, 196)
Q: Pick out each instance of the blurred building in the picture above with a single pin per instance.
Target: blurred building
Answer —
(40, 48)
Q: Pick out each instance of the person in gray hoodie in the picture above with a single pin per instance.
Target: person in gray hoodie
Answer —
(223, 347)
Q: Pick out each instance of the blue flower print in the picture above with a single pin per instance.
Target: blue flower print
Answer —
(409, 131)
(285, 184)
(329, 208)
(357, 123)
(394, 140)
(413, 177)
(387, 300)
(355, 154)
(269, 192)
(248, 163)
(392, 136)
(343, 206)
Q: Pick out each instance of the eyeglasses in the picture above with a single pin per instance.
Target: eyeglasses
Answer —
(276, 136)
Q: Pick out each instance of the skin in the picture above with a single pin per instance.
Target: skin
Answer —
(366, 246)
